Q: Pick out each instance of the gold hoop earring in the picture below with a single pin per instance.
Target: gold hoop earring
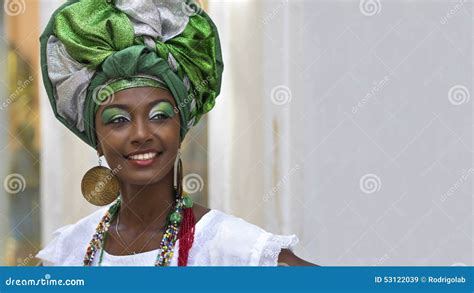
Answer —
(178, 175)
(99, 186)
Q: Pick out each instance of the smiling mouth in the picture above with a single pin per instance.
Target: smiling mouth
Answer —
(144, 157)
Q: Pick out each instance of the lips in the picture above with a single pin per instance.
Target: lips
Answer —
(143, 157)
(143, 154)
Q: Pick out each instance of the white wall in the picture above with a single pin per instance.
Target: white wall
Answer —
(369, 83)
(235, 164)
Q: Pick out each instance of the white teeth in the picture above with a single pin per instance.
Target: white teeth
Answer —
(143, 157)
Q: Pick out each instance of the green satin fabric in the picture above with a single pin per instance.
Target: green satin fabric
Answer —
(100, 36)
(195, 51)
(122, 84)
(92, 30)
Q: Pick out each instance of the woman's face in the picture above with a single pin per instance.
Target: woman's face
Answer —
(139, 120)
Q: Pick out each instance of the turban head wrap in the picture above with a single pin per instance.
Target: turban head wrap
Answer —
(92, 49)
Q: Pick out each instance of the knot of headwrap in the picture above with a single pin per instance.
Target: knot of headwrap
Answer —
(197, 53)
(90, 43)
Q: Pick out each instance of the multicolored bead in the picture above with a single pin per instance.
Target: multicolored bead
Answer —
(167, 242)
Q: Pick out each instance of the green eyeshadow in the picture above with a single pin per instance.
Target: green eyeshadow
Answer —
(109, 114)
(165, 108)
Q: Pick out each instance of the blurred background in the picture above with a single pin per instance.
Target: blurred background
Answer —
(347, 123)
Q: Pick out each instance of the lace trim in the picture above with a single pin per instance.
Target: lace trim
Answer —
(273, 247)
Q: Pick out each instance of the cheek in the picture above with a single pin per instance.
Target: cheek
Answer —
(167, 135)
(169, 131)
(111, 143)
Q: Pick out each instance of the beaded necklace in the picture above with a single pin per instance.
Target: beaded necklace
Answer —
(167, 242)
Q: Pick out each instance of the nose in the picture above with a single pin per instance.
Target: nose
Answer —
(141, 132)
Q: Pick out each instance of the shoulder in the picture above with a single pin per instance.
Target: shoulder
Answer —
(69, 242)
(232, 241)
(199, 211)
(288, 258)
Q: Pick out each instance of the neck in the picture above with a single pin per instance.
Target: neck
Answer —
(146, 206)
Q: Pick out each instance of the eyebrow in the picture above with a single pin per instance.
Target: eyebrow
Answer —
(127, 107)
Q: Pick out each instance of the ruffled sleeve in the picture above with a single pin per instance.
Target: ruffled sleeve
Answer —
(49, 254)
(228, 240)
(268, 247)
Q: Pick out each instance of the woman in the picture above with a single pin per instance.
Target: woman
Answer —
(130, 78)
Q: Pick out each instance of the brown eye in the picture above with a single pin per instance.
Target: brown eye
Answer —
(160, 116)
(119, 120)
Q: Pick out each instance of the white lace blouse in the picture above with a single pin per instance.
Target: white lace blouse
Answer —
(220, 240)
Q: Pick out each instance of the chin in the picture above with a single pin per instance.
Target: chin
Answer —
(142, 180)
